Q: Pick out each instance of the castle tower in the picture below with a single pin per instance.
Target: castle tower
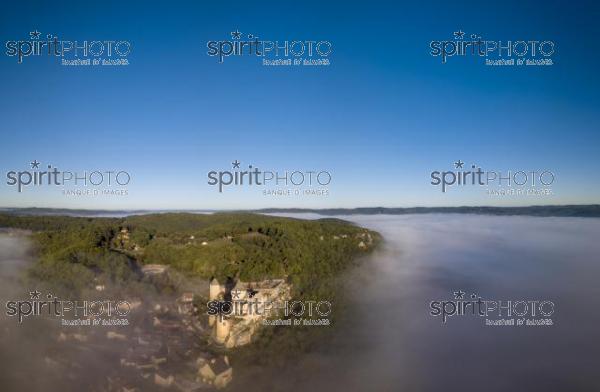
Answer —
(214, 290)
(222, 329)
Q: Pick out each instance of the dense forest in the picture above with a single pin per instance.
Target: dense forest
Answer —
(75, 251)
(73, 254)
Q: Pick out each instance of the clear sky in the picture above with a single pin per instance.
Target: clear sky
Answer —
(380, 118)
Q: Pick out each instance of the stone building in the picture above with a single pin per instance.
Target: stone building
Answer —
(238, 328)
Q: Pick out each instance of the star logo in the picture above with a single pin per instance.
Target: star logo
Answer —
(459, 34)
(458, 164)
(235, 294)
(251, 292)
(236, 34)
(35, 294)
(35, 164)
(236, 164)
(35, 34)
(459, 294)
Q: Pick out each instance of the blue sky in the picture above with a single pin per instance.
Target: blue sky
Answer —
(380, 118)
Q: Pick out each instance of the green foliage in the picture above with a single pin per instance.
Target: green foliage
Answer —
(239, 245)
(75, 253)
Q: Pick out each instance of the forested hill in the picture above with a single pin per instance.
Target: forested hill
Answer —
(76, 251)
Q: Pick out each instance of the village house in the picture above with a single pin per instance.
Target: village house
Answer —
(216, 371)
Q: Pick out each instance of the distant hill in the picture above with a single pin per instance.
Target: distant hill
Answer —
(575, 210)
(589, 210)
(86, 212)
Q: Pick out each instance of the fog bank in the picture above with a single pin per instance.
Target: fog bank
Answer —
(391, 342)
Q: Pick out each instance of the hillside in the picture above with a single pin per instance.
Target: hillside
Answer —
(75, 251)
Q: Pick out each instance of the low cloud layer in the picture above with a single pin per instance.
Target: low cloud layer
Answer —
(389, 341)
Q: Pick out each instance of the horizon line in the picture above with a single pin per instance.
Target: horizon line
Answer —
(295, 208)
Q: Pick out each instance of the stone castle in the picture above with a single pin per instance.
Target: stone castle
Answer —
(237, 329)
